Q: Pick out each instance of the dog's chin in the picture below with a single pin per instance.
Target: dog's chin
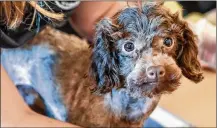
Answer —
(141, 90)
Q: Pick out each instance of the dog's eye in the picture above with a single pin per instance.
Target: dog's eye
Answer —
(129, 46)
(168, 42)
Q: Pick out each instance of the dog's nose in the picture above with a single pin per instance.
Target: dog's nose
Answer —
(155, 72)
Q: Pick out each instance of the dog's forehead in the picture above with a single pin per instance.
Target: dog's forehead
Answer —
(141, 27)
(139, 24)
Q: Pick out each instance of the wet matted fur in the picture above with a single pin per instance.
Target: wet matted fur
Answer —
(138, 55)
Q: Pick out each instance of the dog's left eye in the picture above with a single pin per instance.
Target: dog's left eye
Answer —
(168, 42)
(129, 46)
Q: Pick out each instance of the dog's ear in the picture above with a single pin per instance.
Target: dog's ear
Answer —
(104, 67)
(188, 60)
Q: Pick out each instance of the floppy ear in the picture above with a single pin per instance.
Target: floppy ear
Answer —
(104, 67)
(188, 61)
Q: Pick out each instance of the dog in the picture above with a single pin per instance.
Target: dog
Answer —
(138, 56)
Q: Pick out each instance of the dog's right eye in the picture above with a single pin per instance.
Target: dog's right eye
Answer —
(129, 46)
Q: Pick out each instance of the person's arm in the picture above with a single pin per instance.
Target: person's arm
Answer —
(14, 111)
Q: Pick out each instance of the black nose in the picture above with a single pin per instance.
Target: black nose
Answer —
(155, 72)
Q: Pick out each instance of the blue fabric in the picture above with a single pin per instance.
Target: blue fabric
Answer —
(33, 67)
(152, 123)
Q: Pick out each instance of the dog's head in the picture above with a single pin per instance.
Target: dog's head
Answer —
(146, 51)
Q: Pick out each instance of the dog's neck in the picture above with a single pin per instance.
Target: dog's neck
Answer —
(124, 106)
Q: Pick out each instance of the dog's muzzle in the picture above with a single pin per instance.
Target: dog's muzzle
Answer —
(153, 71)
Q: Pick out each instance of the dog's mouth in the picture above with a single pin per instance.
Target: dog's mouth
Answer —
(137, 89)
(147, 83)
(143, 83)
(151, 83)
